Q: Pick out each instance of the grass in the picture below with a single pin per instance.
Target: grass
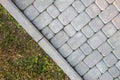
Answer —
(20, 57)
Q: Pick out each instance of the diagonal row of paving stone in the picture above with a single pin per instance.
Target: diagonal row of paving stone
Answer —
(85, 32)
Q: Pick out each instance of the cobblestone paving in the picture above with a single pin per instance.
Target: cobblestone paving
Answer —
(85, 32)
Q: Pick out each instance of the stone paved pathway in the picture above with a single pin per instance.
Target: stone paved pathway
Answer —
(85, 32)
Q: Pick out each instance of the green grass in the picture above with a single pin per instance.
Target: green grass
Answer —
(20, 57)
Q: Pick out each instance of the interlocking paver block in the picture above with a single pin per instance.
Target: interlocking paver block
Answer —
(80, 21)
(93, 10)
(118, 65)
(47, 33)
(70, 30)
(59, 39)
(31, 12)
(117, 4)
(82, 36)
(22, 4)
(116, 21)
(65, 50)
(75, 57)
(110, 60)
(41, 5)
(114, 41)
(96, 24)
(102, 4)
(88, 32)
(81, 68)
(114, 71)
(105, 49)
(106, 76)
(96, 40)
(87, 2)
(62, 4)
(66, 16)
(109, 29)
(117, 52)
(108, 14)
(116, 79)
(79, 6)
(55, 26)
(77, 40)
(86, 49)
(102, 66)
(93, 58)
(109, 1)
(53, 11)
(42, 20)
(93, 74)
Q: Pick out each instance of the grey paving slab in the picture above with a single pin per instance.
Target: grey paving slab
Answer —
(108, 14)
(41, 5)
(93, 10)
(93, 58)
(117, 4)
(114, 71)
(80, 21)
(102, 4)
(102, 66)
(81, 36)
(69, 30)
(106, 76)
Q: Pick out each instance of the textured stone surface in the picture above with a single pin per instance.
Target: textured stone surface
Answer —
(93, 58)
(31, 12)
(109, 29)
(96, 24)
(92, 74)
(22, 4)
(110, 60)
(105, 49)
(102, 66)
(87, 2)
(117, 4)
(41, 5)
(93, 10)
(88, 32)
(114, 71)
(56, 26)
(80, 21)
(69, 30)
(75, 57)
(65, 50)
(106, 76)
(84, 33)
(102, 4)
(53, 11)
(115, 40)
(42, 20)
(77, 40)
(79, 6)
(65, 18)
(82, 68)
(47, 33)
(116, 21)
(63, 4)
(117, 52)
(86, 49)
(96, 40)
(108, 14)
(59, 39)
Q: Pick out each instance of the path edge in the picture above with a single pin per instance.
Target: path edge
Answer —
(40, 39)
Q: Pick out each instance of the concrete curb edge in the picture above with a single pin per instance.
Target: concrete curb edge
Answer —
(38, 37)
